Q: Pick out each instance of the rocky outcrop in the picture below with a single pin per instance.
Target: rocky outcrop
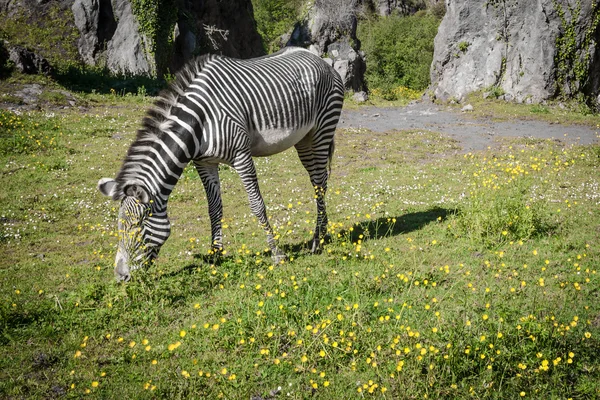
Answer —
(403, 7)
(530, 50)
(118, 46)
(28, 62)
(112, 33)
(332, 35)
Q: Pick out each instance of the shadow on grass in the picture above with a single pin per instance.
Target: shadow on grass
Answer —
(96, 80)
(380, 228)
(369, 229)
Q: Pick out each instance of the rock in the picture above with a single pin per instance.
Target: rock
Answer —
(349, 63)
(127, 51)
(508, 97)
(333, 36)
(221, 26)
(360, 97)
(29, 94)
(96, 23)
(28, 62)
(467, 108)
(512, 45)
(403, 7)
(111, 35)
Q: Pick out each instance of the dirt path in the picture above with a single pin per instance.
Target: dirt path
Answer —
(472, 133)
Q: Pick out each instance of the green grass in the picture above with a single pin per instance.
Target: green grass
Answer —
(556, 112)
(418, 293)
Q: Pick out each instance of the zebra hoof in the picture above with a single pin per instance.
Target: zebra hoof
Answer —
(216, 251)
(279, 257)
(316, 247)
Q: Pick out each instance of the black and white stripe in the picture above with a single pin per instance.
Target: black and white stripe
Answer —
(224, 110)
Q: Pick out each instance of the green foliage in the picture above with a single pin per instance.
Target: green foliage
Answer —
(275, 18)
(157, 20)
(53, 34)
(492, 216)
(463, 46)
(399, 51)
(573, 55)
(539, 109)
(495, 91)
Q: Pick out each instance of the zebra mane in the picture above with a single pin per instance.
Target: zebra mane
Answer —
(157, 119)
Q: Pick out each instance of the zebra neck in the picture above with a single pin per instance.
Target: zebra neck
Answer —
(156, 162)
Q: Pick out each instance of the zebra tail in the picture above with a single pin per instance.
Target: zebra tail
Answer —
(330, 156)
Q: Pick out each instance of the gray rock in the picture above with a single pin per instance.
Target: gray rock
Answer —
(467, 108)
(103, 24)
(511, 45)
(111, 35)
(349, 63)
(128, 51)
(27, 61)
(96, 23)
(323, 37)
(360, 97)
(85, 13)
(403, 7)
(29, 94)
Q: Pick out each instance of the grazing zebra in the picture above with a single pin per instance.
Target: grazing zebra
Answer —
(224, 110)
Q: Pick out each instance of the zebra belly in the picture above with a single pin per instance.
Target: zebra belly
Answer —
(272, 141)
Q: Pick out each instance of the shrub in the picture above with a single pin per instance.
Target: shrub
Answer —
(399, 51)
(502, 206)
(275, 18)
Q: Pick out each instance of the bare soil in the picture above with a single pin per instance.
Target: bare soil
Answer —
(472, 133)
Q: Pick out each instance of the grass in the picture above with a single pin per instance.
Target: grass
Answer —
(429, 285)
(555, 112)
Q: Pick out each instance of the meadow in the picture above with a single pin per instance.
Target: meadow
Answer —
(446, 274)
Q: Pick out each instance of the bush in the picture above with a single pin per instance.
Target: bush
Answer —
(275, 18)
(502, 206)
(399, 51)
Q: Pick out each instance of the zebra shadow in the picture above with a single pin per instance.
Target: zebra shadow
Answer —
(379, 228)
(369, 229)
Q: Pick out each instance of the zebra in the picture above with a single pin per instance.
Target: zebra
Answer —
(222, 110)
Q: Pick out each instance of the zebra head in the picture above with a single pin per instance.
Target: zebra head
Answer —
(143, 226)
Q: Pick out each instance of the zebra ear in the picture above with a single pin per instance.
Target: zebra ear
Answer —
(107, 186)
(138, 192)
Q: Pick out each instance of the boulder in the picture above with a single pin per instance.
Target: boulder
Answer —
(333, 36)
(96, 23)
(224, 27)
(513, 46)
(360, 97)
(110, 34)
(349, 63)
(403, 7)
(28, 62)
(129, 51)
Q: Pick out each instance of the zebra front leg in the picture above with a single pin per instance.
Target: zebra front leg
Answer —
(244, 165)
(209, 174)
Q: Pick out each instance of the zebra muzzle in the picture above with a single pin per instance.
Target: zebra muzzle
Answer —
(122, 271)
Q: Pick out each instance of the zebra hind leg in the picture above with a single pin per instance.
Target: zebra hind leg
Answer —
(316, 162)
(247, 172)
(209, 174)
